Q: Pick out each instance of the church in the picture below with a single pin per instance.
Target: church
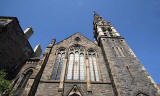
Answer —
(77, 66)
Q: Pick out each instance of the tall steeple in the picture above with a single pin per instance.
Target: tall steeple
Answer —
(128, 76)
(102, 28)
(99, 20)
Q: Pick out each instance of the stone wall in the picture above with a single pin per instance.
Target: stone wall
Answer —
(130, 77)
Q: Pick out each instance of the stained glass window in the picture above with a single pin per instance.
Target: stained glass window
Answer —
(81, 66)
(58, 65)
(76, 64)
(93, 67)
(70, 66)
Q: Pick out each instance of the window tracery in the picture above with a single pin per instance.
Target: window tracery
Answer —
(76, 63)
(77, 39)
(58, 64)
(76, 66)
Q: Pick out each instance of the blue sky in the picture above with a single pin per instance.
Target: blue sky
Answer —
(138, 21)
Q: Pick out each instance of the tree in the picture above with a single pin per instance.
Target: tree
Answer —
(5, 85)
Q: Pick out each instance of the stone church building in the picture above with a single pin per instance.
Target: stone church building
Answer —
(77, 66)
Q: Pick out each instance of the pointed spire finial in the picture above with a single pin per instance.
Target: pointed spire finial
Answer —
(95, 13)
(28, 32)
(97, 17)
(54, 39)
(37, 50)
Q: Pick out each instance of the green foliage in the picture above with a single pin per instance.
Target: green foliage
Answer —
(4, 84)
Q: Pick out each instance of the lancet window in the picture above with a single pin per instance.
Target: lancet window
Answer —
(58, 64)
(94, 75)
(25, 79)
(76, 63)
(119, 52)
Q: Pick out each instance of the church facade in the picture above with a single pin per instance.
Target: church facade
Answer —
(77, 66)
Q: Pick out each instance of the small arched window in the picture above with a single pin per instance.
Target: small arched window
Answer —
(25, 79)
(58, 64)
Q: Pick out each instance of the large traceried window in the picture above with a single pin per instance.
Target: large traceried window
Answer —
(76, 63)
(76, 68)
(93, 66)
(58, 64)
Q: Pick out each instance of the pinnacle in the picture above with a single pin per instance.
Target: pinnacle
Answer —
(97, 17)
(96, 14)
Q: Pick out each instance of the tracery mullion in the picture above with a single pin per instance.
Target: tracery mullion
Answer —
(67, 71)
(85, 69)
(79, 65)
(73, 65)
(58, 65)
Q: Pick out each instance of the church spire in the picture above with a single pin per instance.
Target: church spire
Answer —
(103, 29)
(99, 19)
(96, 17)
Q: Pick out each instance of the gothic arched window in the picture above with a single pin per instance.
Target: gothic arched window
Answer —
(93, 66)
(76, 63)
(25, 79)
(58, 64)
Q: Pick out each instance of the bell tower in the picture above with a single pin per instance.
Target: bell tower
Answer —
(127, 74)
